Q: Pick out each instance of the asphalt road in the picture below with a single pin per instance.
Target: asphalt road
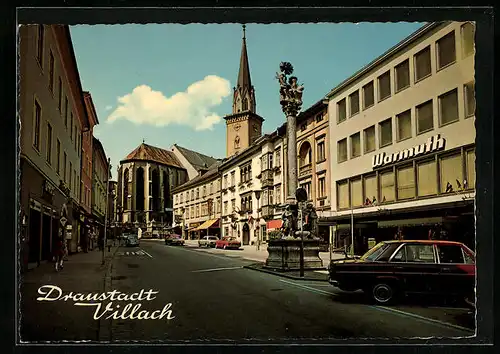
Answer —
(214, 298)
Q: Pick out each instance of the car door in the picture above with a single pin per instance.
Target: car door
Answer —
(457, 269)
(415, 264)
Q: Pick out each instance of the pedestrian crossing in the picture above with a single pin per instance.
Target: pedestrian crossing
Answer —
(131, 253)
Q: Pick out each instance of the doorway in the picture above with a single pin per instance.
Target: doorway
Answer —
(34, 236)
(46, 237)
(246, 234)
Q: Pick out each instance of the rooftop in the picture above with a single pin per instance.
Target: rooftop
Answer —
(198, 160)
(152, 153)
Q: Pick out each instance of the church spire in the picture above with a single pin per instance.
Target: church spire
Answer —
(244, 74)
(244, 98)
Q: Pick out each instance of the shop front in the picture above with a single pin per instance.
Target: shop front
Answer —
(453, 222)
(43, 216)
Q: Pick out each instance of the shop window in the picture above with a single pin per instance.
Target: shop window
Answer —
(448, 107)
(354, 103)
(423, 64)
(384, 86)
(467, 31)
(427, 178)
(369, 139)
(371, 190)
(445, 48)
(356, 193)
(387, 192)
(451, 173)
(406, 182)
(470, 99)
(343, 195)
(355, 145)
(402, 75)
(425, 117)
(341, 110)
(385, 132)
(342, 150)
(404, 125)
(471, 169)
(368, 95)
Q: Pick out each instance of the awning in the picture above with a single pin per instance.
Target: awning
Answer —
(274, 224)
(207, 224)
(411, 222)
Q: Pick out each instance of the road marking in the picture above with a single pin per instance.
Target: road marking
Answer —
(150, 256)
(309, 288)
(422, 318)
(215, 269)
(387, 309)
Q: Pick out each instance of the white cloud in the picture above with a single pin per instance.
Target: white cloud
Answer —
(108, 108)
(191, 107)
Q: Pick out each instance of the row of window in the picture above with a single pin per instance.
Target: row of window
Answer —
(195, 193)
(320, 187)
(75, 134)
(423, 121)
(441, 174)
(318, 118)
(305, 153)
(422, 63)
(202, 209)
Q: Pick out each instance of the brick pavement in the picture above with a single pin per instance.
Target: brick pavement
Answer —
(60, 320)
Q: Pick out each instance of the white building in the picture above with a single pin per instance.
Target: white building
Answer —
(402, 141)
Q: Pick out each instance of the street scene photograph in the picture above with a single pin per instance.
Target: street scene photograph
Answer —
(244, 182)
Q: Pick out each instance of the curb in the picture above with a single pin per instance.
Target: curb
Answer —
(283, 275)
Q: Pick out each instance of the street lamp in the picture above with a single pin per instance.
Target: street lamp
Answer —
(257, 196)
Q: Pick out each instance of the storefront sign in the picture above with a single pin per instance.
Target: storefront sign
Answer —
(433, 144)
(47, 188)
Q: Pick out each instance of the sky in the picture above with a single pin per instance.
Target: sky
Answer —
(172, 84)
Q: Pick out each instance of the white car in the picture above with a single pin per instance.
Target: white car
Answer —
(207, 241)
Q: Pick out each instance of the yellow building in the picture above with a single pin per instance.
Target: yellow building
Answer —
(402, 141)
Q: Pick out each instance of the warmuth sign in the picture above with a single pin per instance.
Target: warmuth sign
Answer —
(434, 143)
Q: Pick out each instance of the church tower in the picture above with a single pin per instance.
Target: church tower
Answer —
(244, 125)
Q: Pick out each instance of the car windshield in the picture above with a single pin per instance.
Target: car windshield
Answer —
(375, 252)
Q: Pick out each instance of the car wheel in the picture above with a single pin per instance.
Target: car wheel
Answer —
(383, 293)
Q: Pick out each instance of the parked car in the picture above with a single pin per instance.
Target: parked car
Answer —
(174, 240)
(228, 242)
(394, 268)
(131, 240)
(207, 241)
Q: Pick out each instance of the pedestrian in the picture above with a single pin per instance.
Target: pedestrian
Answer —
(59, 253)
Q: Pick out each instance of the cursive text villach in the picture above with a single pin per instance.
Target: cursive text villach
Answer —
(128, 312)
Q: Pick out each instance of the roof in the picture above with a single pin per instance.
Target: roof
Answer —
(244, 73)
(155, 154)
(389, 53)
(88, 97)
(96, 144)
(444, 242)
(197, 160)
(211, 173)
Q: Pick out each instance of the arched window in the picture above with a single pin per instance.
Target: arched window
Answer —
(245, 104)
(305, 154)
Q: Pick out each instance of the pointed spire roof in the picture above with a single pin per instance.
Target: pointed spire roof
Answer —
(244, 74)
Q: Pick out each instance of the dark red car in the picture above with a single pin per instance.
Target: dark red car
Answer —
(394, 268)
(228, 242)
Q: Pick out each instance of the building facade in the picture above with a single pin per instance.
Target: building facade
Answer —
(85, 221)
(100, 174)
(402, 142)
(146, 178)
(52, 116)
(250, 197)
(197, 205)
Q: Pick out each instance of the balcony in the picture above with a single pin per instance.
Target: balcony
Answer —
(305, 170)
(267, 211)
(232, 188)
(277, 169)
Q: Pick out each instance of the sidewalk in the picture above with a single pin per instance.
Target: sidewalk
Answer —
(62, 320)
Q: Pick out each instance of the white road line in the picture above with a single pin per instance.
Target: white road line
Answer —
(215, 269)
(388, 309)
(309, 288)
(150, 256)
(422, 318)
